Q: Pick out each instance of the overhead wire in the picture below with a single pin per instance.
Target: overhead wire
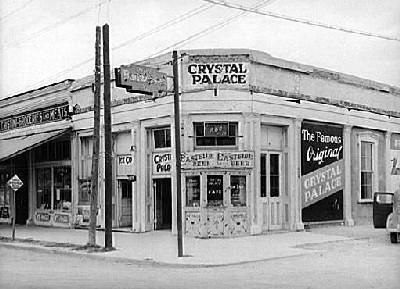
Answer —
(158, 28)
(303, 21)
(52, 26)
(211, 28)
(16, 10)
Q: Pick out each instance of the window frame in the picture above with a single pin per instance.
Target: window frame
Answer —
(153, 136)
(215, 142)
(374, 160)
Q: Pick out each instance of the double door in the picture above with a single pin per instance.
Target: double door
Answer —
(271, 199)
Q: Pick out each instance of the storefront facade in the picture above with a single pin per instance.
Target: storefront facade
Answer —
(267, 145)
(35, 145)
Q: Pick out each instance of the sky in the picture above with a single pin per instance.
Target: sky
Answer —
(46, 41)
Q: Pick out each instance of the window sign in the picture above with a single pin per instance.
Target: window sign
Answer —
(238, 190)
(215, 189)
(162, 163)
(193, 191)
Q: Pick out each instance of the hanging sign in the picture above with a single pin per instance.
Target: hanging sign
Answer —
(15, 183)
(322, 162)
(141, 79)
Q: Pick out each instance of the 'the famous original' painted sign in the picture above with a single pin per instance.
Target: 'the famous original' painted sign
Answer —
(322, 162)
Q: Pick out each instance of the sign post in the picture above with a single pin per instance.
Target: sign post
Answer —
(15, 183)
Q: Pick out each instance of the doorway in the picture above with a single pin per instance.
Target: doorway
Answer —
(125, 206)
(271, 191)
(162, 204)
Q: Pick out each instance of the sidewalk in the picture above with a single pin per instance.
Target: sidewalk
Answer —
(161, 246)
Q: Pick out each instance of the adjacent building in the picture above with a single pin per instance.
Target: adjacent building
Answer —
(267, 145)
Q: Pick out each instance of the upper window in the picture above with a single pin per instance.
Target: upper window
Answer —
(367, 170)
(57, 150)
(162, 138)
(215, 133)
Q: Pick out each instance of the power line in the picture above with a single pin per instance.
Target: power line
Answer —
(159, 28)
(16, 10)
(54, 25)
(300, 20)
(207, 30)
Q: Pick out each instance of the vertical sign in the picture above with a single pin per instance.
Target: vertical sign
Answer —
(321, 172)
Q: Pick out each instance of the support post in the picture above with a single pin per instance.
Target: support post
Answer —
(177, 154)
(108, 139)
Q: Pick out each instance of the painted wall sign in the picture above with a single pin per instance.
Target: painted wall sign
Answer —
(213, 72)
(162, 163)
(33, 118)
(125, 165)
(322, 171)
(217, 159)
(141, 79)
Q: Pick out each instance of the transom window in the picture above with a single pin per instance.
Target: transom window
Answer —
(162, 138)
(215, 133)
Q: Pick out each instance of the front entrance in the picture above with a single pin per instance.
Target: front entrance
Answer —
(162, 204)
(125, 205)
(271, 191)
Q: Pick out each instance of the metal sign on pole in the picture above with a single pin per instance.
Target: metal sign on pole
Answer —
(15, 183)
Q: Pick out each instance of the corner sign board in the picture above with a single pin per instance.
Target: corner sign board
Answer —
(140, 79)
(15, 183)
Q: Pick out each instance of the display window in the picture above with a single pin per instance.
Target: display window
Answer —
(238, 191)
(215, 190)
(53, 187)
(193, 191)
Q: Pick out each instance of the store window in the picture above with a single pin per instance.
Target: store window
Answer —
(215, 133)
(4, 196)
(193, 191)
(367, 170)
(53, 187)
(62, 188)
(43, 188)
(215, 189)
(162, 138)
(238, 191)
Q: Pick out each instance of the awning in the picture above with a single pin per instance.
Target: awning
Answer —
(14, 146)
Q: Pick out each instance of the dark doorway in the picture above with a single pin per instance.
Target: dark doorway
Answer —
(162, 204)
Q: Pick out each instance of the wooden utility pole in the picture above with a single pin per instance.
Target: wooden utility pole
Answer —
(108, 139)
(177, 153)
(96, 142)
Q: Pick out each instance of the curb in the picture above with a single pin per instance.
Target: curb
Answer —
(69, 250)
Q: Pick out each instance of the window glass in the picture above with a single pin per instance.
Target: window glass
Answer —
(215, 189)
(263, 177)
(162, 138)
(62, 188)
(43, 188)
(366, 170)
(193, 191)
(274, 175)
(215, 133)
(238, 190)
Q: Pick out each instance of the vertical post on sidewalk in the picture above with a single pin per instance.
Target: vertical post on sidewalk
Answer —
(177, 153)
(96, 141)
(108, 139)
(13, 214)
